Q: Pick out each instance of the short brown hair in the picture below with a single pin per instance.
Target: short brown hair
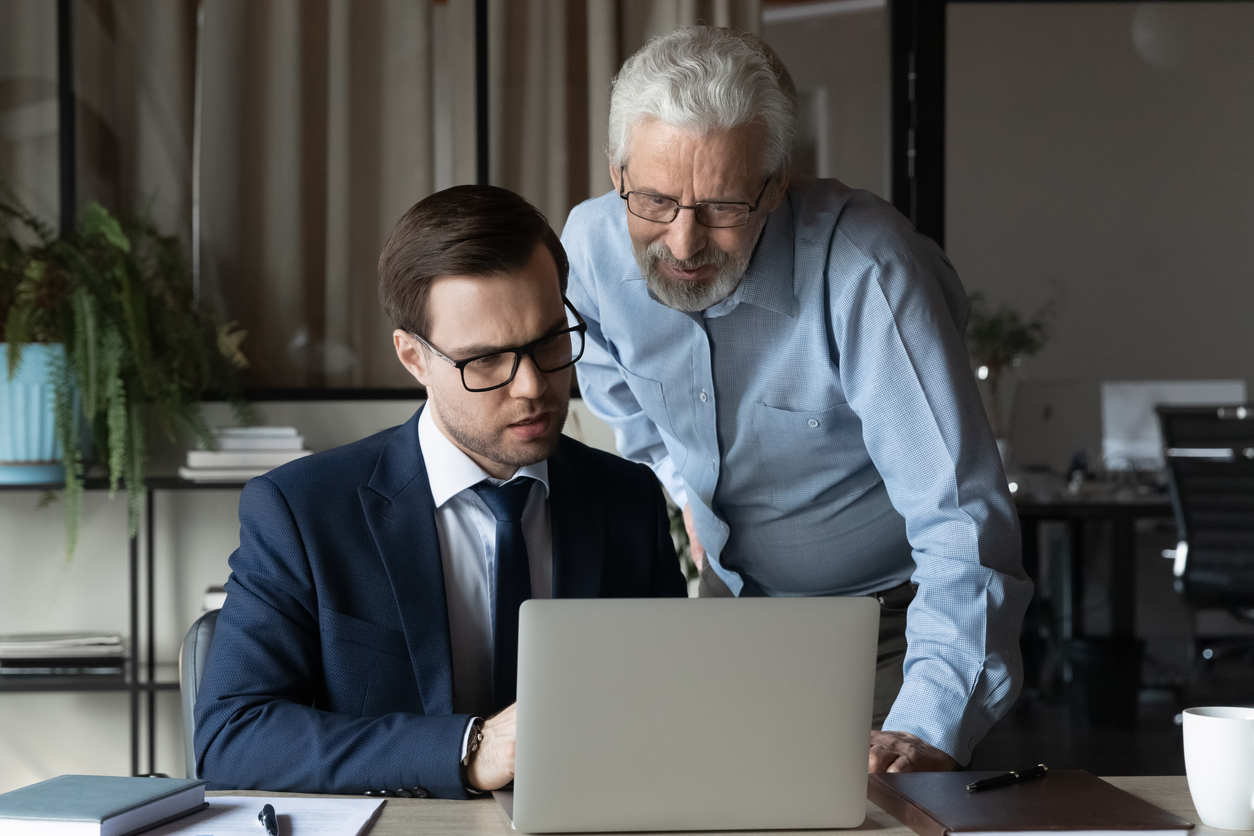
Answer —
(462, 231)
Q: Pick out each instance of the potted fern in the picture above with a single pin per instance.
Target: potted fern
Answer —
(999, 340)
(107, 317)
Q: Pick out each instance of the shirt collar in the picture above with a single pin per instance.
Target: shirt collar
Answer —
(450, 471)
(768, 282)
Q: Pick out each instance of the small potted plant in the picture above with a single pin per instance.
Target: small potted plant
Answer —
(106, 316)
(999, 340)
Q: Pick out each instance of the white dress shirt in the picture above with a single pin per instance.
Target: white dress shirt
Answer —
(467, 532)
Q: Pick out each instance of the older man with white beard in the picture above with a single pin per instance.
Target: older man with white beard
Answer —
(788, 359)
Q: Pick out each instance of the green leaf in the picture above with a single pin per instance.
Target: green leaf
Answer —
(136, 312)
(136, 466)
(16, 330)
(85, 349)
(65, 421)
(95, 220)
(115, 408)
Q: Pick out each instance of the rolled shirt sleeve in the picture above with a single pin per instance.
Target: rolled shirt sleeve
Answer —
(907, 376)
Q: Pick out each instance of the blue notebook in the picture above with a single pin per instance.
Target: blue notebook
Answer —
(98, 805)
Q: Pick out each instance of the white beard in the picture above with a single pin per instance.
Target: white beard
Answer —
(690, 295)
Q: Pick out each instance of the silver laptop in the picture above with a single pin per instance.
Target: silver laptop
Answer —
(711, 714)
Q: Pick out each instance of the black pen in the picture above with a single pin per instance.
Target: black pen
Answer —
(1037, 771)
(269, 820)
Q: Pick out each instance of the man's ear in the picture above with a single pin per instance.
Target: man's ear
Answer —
(412, 357)
(615, 171)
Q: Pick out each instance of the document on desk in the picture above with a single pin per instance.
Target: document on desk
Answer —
(229, 815)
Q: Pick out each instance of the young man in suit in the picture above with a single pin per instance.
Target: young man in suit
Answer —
(372, 616)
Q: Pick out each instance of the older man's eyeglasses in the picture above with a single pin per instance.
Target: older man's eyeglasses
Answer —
(713, 214)
(551, 353)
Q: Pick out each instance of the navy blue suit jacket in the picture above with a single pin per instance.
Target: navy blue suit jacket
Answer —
(331, 667)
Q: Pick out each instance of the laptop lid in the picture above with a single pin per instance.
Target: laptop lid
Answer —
(710, 714)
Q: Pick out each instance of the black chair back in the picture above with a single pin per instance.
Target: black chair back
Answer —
(1210, 470)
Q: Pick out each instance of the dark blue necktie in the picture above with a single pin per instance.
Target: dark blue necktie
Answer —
(513, 582)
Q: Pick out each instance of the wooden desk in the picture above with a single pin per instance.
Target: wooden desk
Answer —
(433, 817)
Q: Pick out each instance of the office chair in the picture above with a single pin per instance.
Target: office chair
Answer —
(191, 665)
(1210, 470)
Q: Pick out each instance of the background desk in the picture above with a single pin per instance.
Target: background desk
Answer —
(1076, 513)
(433, 817)
(1102, 675)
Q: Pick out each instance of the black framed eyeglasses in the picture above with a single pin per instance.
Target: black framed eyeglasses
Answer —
(720, 214)
(551, 353)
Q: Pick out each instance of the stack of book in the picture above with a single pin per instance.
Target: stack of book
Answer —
(244, 452)
(62, 654)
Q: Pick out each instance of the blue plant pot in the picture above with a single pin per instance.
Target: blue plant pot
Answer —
(29, 450)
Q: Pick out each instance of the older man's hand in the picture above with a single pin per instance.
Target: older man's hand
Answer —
(895, 751)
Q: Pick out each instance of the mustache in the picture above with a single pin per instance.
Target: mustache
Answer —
(658, 251)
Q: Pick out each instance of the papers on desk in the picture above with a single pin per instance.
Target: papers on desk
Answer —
(237, 814)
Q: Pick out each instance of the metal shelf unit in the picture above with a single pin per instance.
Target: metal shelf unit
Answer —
(142, 677)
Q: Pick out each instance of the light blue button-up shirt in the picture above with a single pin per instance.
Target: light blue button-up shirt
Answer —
(825, 427)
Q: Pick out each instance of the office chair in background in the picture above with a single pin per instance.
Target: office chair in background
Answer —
(1209, 453)
(191, 665)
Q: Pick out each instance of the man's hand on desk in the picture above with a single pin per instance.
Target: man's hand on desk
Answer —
(697, 550)
(492, 766)
(895, 751)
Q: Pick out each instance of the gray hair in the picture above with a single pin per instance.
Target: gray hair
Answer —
(703, 78)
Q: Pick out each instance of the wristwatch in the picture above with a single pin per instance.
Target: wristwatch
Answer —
(470, 745)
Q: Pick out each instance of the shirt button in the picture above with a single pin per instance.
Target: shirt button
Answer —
(704, 396)
(813, 422)
(713, 465)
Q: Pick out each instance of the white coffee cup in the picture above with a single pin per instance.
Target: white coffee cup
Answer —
(1219, 761)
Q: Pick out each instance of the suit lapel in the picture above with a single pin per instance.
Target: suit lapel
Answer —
(401, 514)
(577, 515)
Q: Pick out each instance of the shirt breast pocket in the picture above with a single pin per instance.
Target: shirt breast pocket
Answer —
(809, 452)
(648, 393)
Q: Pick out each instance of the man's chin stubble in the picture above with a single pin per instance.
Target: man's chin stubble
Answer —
(521, 455)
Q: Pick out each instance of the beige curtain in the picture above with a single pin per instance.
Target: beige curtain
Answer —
(316, 136)
(321, 122)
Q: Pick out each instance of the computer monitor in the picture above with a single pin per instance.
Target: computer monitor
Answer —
(1131, 439)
